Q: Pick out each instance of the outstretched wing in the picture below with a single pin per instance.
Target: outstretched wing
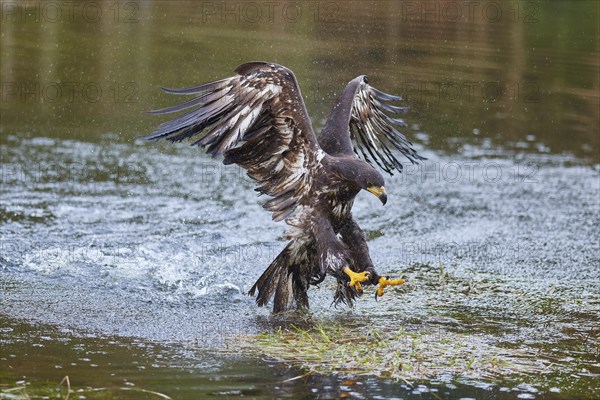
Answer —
(364, 122)
(258, 120)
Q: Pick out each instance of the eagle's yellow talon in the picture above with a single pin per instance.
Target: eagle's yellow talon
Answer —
(383, 282)
(356, 278)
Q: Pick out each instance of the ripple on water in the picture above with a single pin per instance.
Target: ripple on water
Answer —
(171, 240)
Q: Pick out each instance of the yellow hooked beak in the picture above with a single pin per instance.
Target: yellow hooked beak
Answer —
(379, 191)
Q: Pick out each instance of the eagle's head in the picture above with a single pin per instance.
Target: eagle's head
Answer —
(362, 175)
(372, 181)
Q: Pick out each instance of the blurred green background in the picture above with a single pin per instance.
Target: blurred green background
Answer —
(520, 75)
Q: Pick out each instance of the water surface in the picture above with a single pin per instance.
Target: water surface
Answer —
(110, 243)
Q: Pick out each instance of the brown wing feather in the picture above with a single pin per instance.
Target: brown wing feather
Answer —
(258, 120)
(360, 123)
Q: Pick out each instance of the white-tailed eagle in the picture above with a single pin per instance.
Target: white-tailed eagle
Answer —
(257, 119)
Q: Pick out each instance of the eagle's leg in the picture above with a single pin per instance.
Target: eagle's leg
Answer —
(333, 257)
(356, 278)
(386, 281)
(354, 237)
